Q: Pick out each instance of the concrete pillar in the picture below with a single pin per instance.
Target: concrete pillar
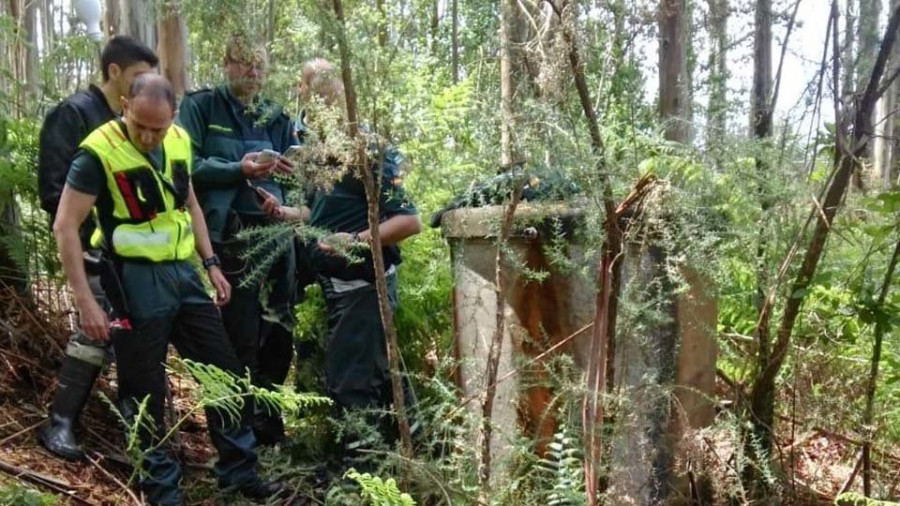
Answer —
(665, 350)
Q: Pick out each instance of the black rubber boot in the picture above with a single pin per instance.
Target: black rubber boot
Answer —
(268, 426)
(76, 379)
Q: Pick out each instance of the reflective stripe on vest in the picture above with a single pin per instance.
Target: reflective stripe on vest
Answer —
(149, 217)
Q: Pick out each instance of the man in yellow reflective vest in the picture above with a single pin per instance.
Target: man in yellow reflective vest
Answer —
(135, 172)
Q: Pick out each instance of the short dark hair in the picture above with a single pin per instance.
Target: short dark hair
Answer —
(125, 51)
(154, 87)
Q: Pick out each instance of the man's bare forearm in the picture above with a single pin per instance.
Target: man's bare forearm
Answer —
(396, 229)
(198, 222)
(72, 257)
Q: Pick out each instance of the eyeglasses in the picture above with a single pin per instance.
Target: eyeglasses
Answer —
(247, 66)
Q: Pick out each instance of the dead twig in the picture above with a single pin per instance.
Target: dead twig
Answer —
(850, 479)
(117, 481)
(54, 484)
(17, 434)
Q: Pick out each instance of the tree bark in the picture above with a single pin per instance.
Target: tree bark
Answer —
(113, 17)
(848, 53)
(718, 68)
(673, 79)
(382, 23)
(454, 41)
(761, 128)
(762, 396)
(173, 49)
(32, 58)
(506, 86)
(435, 26)
(869, 12)
(139, 20)
(868, 415)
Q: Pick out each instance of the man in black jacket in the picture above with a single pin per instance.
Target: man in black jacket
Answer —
(65, 126)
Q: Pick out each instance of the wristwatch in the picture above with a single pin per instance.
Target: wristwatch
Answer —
(211, 261)
(354, 237)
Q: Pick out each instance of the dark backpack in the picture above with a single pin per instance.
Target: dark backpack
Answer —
(92, 112)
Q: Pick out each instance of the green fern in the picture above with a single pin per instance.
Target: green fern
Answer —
(378, 492)
(563, 464)
(854, 499)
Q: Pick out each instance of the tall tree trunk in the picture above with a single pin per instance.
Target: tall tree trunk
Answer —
(173, 47)
(373, 188)
(884, 140)
(673, 79)
(382, 23)
(881, 324)
(507, 85)
(506, 162)
(454, 41)
(270, 24)
(17, 54)
(113, 17)
(869, 12)
(139, 20)
(761, 127)
(48, 17)
(435, 25)
(850, 145)
(32, 58)
(848, 52)
(608, 273)
(718, 73)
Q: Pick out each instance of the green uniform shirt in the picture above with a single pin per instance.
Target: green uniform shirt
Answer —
(222, 131)
(344, 209)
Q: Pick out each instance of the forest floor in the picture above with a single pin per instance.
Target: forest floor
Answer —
(32, 340)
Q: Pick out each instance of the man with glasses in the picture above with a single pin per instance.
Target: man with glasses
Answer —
(233, 132)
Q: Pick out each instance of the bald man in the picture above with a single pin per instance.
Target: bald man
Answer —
(136, 173)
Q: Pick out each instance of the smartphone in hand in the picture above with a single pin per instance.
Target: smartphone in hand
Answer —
(267, 155)
(260, 194)
(293, 151)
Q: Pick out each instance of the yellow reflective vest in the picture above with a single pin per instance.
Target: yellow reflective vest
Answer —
(149, 218)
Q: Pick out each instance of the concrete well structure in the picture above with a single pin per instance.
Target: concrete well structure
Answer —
(664, 364)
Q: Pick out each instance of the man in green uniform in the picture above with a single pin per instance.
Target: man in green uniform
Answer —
(357, 372)
(136, 172)
(230, 126)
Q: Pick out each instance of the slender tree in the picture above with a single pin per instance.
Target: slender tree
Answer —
(454, 41)
(113, 17)
(719, 12)
(761, 127)
(673, 70)
(881, 327)
(851, 141)
(173, 46)
(869, 12)
(507, 87)
(373, 189)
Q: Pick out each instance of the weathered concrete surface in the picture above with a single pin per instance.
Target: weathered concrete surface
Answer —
(665, 346)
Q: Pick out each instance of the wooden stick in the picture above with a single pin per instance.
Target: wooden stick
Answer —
(117, 481)
(850, 479)
(17, 434)
(43, 480)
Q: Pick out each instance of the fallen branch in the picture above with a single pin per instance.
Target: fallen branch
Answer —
(117, 481)
(54, 484)
(519, 369)
(17, 434)
(850, 479)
